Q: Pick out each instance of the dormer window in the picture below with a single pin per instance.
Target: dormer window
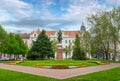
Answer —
(35, 35)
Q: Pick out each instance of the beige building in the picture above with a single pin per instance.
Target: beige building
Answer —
(68, 37)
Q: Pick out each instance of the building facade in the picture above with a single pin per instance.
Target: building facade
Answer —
(68, 38)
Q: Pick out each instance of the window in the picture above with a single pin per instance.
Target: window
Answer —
(34, 35)
(69, 41)
(65, 41)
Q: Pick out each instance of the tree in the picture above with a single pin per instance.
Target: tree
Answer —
(23, 49)
(13, 45)
(105, 31)
(86, 42)
(78, 52)
(67, 50)
(2, 37)
(115, 18)
(3, 41)
(42, 48)
(54, 44)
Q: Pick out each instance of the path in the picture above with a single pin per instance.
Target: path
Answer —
(58, 73)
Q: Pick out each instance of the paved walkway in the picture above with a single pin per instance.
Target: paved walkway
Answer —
(58, 73)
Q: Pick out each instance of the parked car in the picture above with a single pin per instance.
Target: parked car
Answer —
(4, 58)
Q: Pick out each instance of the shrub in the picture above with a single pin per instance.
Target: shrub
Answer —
(33, 56)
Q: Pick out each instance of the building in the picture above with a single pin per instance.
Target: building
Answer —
(68, 38)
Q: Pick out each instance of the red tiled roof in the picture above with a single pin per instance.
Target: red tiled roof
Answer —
(71, 33)
(48, 33)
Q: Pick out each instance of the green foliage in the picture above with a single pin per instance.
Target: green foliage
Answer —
(67, 49)
(34, 56)
(3, 40)
(42, 47)
(105, 32)
(23, 49)
(58, 62)
(11, 43)
(54, 44)
(13, 47)
(78, 52)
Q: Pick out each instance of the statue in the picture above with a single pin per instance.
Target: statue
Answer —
(59, 34)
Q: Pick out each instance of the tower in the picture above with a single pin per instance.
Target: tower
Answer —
(82, 27)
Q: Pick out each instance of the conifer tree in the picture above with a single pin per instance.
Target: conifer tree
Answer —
(42, 48)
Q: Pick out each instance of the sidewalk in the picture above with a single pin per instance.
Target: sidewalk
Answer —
(58, 73)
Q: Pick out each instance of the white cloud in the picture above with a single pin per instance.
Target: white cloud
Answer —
(116, 2)
(15, 8)
(19, 15)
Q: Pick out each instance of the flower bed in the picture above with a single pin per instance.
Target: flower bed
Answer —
(99, 63)
(59, 67)
(15, 62)
(11, 63)
(103, 63)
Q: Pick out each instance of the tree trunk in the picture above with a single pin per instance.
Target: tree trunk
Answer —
(115, 53)
(103, 56)
(107, 56)
(66, 55)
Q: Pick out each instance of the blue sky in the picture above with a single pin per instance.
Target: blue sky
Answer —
(29, 15)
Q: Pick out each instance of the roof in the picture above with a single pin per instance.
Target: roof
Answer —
(24, 36)
(49, 33)
(71, 33)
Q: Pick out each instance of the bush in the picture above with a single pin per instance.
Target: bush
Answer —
(33, 56)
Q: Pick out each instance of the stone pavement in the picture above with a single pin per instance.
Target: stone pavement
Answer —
(58, 73)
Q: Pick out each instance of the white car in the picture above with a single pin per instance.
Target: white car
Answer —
(4, 58)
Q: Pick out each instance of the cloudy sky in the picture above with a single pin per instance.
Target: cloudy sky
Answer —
(28, 15)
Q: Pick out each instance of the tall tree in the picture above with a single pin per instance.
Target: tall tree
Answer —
(54, 44)
(86, 42)
(78, 52)
(67, 50)
(42, 48)
(3, 41)
(13, 46)
(115, 32)
(105, 31)
(23, 49)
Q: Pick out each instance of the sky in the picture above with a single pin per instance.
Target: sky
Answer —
(29, 15)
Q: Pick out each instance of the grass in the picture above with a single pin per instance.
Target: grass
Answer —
(7, 75)
(107, 75)
(57, 62)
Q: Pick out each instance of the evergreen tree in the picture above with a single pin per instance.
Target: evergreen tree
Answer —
(78, 52)
(42, 48)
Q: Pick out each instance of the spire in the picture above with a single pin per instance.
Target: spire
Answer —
(82, 24)
(83, 27)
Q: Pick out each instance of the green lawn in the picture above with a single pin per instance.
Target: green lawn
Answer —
(107, 75)
(58, 62)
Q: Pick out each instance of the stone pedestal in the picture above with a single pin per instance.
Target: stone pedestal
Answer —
(59, 54)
